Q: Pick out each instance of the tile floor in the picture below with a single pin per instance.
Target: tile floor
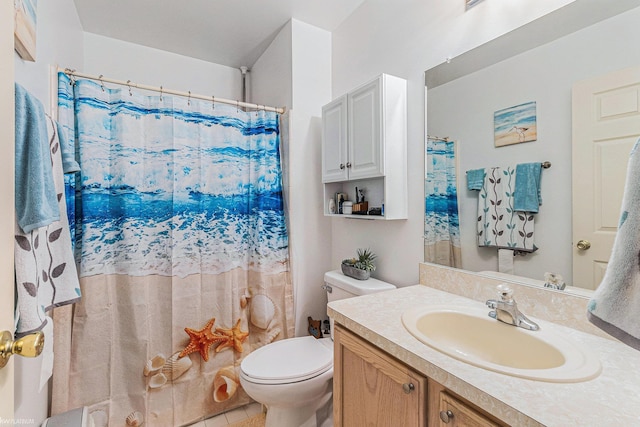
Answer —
(231, 417)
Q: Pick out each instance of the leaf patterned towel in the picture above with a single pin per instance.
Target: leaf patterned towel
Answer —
(499, 225)
(46, 274)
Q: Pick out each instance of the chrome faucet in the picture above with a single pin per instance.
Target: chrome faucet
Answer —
(506, 310)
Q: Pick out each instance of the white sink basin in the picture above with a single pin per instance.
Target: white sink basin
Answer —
(470, 335)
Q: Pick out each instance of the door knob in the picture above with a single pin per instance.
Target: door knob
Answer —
(408, 387)
(341, 165)
(583, 245)
(28, 346)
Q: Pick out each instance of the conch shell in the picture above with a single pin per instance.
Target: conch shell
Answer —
(135, 419)
(262, 311)
(176, 366)
(154, 365)
(158, 380)
(225, 384)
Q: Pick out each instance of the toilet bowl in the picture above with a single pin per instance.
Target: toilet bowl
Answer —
(293, 378)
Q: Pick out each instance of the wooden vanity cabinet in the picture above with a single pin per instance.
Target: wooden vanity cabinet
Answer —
(371, 388)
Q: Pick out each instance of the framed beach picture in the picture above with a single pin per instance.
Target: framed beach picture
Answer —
(471, 3)
(514, 125)
(25, 28)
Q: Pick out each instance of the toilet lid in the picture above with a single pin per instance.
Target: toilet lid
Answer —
(289, 360)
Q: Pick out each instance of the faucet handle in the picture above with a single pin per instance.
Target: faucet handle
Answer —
(505, 292)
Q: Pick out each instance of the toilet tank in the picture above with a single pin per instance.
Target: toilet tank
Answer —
(339, 286)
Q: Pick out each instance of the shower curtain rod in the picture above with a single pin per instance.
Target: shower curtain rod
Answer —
(130, 84)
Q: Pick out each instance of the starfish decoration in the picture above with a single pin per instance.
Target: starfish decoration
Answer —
(202, 340)
(235, 338)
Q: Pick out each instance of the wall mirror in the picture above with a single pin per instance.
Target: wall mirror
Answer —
(539, 62)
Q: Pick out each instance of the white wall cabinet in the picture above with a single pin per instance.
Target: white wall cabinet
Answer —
(364, 145)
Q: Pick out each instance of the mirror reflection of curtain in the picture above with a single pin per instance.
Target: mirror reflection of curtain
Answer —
(441, 227)
(180, 225)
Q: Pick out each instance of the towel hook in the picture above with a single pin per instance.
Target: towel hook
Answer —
(101, 82)
(129, 86)
(161, 93)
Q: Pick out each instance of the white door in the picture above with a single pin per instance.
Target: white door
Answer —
(365, 131)
(7, 144)
(334, 141)
(606, 124)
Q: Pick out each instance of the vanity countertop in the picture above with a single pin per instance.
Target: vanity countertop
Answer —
(611, 399)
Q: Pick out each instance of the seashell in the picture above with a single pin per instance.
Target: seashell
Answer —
(154, 365)
(176, 366)
(158, 380)
(135, 419)
(262, 311)
(225, 384)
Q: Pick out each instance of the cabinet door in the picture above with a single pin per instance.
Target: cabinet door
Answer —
(446, 410)
(334, 141)
(371, 388)
(366, 158)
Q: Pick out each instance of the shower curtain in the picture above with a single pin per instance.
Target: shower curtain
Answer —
(441, 226)
(183, 249)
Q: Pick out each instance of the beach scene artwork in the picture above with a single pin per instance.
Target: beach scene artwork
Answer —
(516, 124)
(25, 29)
(471, 3)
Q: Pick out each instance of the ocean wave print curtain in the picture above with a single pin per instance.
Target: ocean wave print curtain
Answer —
(183, 251)
(441, 224)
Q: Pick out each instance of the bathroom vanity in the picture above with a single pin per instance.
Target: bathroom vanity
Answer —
(365, 377)
(384, 375)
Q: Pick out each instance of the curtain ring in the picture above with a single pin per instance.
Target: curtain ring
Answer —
(189, 99)
(101, 82)
(129, 86)
(160, 93)
(213, 102)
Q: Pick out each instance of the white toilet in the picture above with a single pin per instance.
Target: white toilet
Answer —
(293, 377)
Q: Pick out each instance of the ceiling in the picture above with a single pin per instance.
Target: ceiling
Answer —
(227, 32)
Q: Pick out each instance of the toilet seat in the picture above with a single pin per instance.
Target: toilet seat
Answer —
(288, 361)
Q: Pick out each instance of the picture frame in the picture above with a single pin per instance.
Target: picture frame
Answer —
(470, 3)
(25, 28)
(515, 125)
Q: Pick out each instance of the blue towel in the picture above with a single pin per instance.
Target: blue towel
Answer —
(475, 179)
(526, 197)
(615, 306)
(35, 193)
(67, 145)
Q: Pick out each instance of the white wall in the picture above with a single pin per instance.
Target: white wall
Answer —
(405, 38)
(140, 64)
(59, 41)
(296, 71)
(463, 109)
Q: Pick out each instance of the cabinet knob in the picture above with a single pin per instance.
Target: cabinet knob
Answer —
(348, 164)
(446, 416)
(341, 165)
(408, 387)
(28, 346)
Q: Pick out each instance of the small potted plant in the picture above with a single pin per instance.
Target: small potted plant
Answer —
(361, 267)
